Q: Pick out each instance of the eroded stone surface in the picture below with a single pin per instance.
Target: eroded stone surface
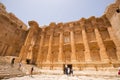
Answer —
(12, 33)
(113, 14)
(84, 44)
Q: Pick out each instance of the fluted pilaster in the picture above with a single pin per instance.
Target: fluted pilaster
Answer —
(103, 53)
(23, 52)
(49, 48)
(60, 47)
(4, 49)
(40, 49)
(87, 49)
(73, 56)
(115, 40)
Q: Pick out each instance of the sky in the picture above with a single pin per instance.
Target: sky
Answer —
(47, 11)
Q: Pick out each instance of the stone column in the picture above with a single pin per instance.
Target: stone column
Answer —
(103, 53)
(60, 47)
(23, 52)
(40, 49)
(2, 49)
(73, 56)
(87, 49)
(27, 38)
(25, 48)
(115, 40)
(49, 48)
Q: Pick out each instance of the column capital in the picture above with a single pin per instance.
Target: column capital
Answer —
(61, 31)
(83, 27)
(33, 24)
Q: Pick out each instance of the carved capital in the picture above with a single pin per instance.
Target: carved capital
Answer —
(60, 24)
(33, 24)
(82, 21)
(66, 33)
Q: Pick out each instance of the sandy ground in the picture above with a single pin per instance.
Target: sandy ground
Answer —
(63, 77)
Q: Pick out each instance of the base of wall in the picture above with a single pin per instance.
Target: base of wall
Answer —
(76, 65)
(79, 66)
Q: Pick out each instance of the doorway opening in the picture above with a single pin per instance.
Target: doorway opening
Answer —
(69, 66)
(66, 66)
(28, 61)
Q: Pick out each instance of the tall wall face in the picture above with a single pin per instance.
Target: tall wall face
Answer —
(12, 33)
(113, 14)
(30, 48)
(87, 43)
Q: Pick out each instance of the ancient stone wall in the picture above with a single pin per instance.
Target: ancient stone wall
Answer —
(12, 34)
(86, 43)
(31, 44)
(113, 14)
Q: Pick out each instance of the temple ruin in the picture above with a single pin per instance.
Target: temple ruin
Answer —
(92, 43)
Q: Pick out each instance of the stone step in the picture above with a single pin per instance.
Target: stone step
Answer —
(10, 72)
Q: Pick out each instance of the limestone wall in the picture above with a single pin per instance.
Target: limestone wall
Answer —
(113, 14)
(84, 43)
(12, 34)
(31, 44)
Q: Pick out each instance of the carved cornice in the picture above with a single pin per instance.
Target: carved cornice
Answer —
(60, 24)
(2, 6)
(52, 25)
(49, 29)
(72, 26)
(111, 9)
(106, 21)
(76, 23)
(88, 22)
(33, 24)
(66, 27)
(93, 21)
(82, 21)
(88, 25)
(100, 21)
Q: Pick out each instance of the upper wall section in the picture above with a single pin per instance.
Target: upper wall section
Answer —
(12, 33)
(113, 14)
(11, 17)
(112, 9)
(87, 23)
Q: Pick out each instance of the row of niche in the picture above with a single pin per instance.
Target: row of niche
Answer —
(77, 37)
(94, 52)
